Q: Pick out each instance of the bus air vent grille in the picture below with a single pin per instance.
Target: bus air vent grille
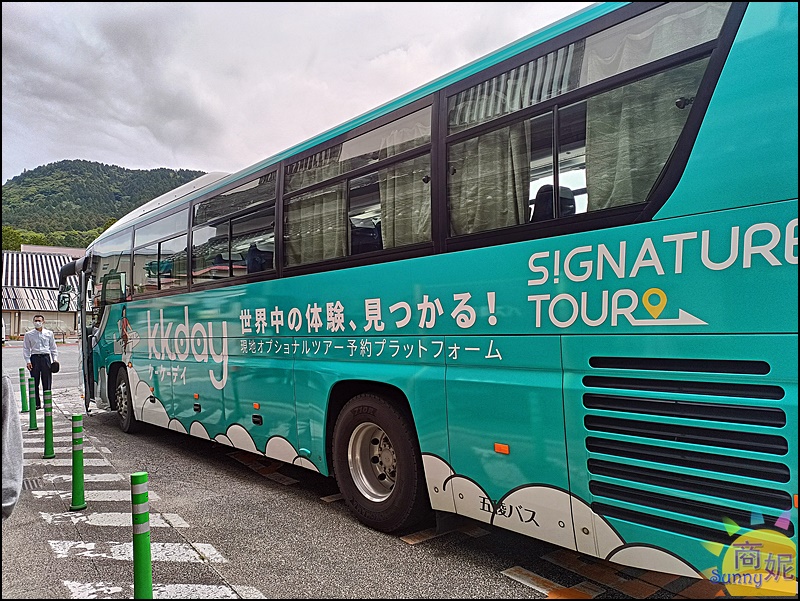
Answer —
(747, 493)
(683, 451)
(747, 441)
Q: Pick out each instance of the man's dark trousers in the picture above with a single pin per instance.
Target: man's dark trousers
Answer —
(41, 373)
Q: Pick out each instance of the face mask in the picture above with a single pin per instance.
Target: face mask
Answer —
(38, 325)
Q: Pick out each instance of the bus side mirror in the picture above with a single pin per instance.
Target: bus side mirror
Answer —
(64, 293)
(63, 302)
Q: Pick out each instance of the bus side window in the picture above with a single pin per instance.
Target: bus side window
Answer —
(113, 290)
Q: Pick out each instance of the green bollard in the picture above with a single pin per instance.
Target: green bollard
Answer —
(78, 500)
(49, 451)
(142, 559)
(23, 390)
(32, 402)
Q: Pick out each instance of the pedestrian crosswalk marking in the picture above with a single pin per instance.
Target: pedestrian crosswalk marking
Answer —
(118, 520)
(62, 450)
(33, 438)
(178, 552)
(93, 495)
(96, 458)
(87, 477)
(91, 590)
(100, 590)
(67, 462)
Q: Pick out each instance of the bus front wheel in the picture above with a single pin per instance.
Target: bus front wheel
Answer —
(122, 395)
(377, 464)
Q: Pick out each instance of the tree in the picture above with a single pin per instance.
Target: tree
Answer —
(12, 240)
(34, 238)
(82, 195)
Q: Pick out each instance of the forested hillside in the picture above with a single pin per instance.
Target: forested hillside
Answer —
(69, 203)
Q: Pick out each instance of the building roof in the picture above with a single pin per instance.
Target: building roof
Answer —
(30, 281)
(75, 253)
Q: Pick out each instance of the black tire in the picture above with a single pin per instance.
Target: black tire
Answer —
(122, 396)
(378, 466)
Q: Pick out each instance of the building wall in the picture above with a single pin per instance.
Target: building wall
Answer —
(74, 253)
(19, 322)
(30, 287)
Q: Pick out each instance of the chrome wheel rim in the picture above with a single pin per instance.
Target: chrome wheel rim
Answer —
(372, 461)
(122, 400)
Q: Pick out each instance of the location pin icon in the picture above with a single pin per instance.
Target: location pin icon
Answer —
(656, 308)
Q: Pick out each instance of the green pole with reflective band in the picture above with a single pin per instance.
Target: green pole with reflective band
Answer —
(142, 560)
(49, 451)
(78, 500)
(23, 390)
(32, 402)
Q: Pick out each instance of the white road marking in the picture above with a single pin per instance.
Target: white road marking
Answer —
(87, 477)
(281, 479)
(61, 450)
(67, 462)
(101, 590)
(91, 590)
(119, 520)
(182, 552)
(94, 495)
(35, 438)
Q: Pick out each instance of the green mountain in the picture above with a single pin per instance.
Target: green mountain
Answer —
(69, 203)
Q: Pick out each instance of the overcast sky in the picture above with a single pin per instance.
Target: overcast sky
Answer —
(220, 86)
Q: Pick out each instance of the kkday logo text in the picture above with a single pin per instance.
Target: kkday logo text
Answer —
(195, 339)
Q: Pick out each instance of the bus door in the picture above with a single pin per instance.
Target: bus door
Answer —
(80, 268)
(506, 427)
(102, 337)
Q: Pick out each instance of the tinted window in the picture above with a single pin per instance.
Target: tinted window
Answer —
(402, 134)
(166, 226)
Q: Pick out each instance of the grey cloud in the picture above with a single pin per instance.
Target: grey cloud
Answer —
(216, 86)
(113, 74)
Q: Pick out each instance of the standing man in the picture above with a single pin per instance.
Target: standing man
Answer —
(39, 351)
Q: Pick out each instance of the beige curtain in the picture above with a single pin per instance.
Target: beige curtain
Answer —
(662, 32)
(405, 196)
(489, 176)
(313, 169)
(315, 222)
(489, 184)
(630, 133)
(406, 202)
(315, 226)
(542, 78)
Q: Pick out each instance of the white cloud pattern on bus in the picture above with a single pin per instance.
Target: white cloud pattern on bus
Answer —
(545, 513)
(148, 407)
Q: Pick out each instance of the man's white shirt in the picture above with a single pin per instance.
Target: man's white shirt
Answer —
(38, 342)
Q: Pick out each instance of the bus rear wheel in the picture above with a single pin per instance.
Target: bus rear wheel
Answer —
(377, 464)
(122, 396)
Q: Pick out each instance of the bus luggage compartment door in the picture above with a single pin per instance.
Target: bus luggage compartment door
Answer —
(506, 426)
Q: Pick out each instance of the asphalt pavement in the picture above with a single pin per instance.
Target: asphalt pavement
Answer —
(68, 357)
